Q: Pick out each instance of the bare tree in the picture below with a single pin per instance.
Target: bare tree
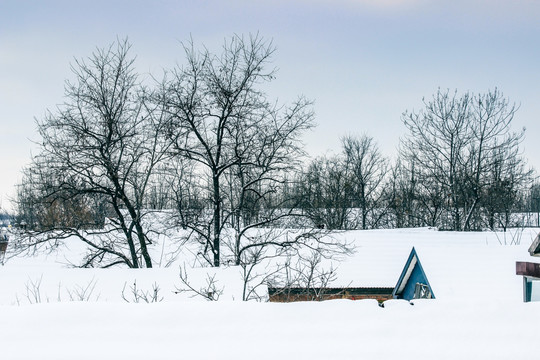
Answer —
(494, 155)
(457, 144)
(507, 181)
(345, 191)
(436, 144)
(303, 277)
(367, 168)
(221, 122)
(103, 143)
(399, 195)
(324, 191)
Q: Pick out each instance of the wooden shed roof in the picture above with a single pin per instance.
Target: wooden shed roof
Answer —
(528, 269)
(534, 249)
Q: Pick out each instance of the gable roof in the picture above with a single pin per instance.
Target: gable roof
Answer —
(371, 267)
(412, 266)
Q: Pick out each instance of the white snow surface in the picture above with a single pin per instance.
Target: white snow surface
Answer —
(478, 312)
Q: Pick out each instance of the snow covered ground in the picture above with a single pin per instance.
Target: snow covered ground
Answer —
(478, 312)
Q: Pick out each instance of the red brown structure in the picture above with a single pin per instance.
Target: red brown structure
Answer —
(528, 269)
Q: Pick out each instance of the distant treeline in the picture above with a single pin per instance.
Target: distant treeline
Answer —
(459, 168)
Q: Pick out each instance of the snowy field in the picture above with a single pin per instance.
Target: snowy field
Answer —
(478, 312)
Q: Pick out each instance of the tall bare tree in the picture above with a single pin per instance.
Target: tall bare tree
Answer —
(457, 143)
(221, 121)
(367, 168)
(103, 143)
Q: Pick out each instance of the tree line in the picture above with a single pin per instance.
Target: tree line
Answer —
(459, 168)
(208, 144)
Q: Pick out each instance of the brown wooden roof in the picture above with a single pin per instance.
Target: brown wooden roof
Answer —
(528, 269)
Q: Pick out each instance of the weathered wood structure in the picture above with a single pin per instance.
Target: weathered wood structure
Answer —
(531, 273)
(534, 249)
(291, 294)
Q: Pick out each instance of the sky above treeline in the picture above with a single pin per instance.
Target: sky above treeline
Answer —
(363, 62)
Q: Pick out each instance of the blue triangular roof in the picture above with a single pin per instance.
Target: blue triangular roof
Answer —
(412, 271)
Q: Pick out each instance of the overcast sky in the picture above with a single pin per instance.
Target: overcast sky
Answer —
(363, 62)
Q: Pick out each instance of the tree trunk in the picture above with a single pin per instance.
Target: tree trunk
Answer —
(217, 221)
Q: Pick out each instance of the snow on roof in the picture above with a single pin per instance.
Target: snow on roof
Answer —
(371, 266)
(476, 272)
(457, 265)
